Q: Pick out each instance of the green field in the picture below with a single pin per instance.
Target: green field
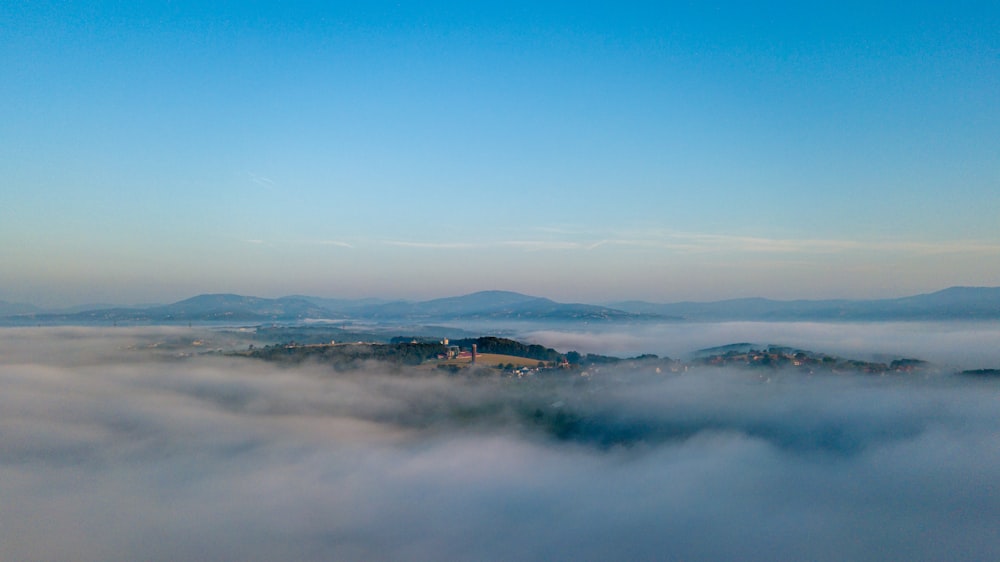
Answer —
(492, 360)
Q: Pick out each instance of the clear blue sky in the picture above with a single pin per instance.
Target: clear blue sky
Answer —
(581, 151)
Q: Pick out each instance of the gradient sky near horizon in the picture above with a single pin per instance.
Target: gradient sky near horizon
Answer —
(581, 151)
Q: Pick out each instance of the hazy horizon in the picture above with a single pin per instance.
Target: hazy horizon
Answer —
(389, 298)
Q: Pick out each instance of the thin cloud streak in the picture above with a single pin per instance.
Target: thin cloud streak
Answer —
(432, 245)
(704, 243)
(270, 244)
(808, 246)
(261, 181)
(337, 243)
(552, 245)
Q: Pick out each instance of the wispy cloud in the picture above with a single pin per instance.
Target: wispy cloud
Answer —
(756, 244)
(432, 245)
(527, 245)
(260, 243)
(261, 181)
(337, 243)
(840, 246)
(287, 243)
(692, 243)
(954, 247)
(713, 242)
(542, 245)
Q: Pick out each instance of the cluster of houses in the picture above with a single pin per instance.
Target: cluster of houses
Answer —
(777, 357)
(455, 352)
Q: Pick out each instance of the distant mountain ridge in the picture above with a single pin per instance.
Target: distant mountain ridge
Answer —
(954, 303)
(494, 305)
(225, 306)
(239, 308)
(201, 308)
(12, 308)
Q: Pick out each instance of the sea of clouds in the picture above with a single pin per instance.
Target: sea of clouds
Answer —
(956, 345)
(120, 444)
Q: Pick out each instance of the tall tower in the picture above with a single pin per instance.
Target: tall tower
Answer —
(473, 354)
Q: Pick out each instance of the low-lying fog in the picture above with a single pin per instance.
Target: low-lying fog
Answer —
(962, 345)
(114, 447)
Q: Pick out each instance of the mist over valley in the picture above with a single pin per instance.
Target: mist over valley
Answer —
(162, 443)
(499, 281)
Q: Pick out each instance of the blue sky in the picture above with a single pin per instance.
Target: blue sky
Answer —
(581, 151)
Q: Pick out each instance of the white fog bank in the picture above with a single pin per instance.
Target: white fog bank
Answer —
(962, 345)
(111, 450)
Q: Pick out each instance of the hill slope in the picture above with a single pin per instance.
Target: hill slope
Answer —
(955, 303)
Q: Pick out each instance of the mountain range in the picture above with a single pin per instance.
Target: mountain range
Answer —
(954, 303)
(485, 305)
(970, 303)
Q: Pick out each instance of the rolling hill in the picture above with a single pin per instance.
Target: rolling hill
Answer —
(955, 303)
